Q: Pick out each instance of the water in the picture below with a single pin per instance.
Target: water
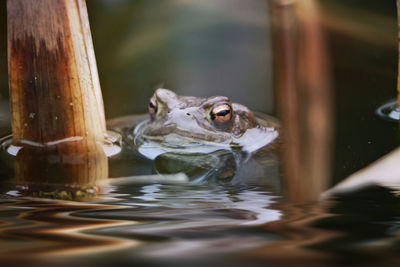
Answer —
(251, 223)
(140, 218)
(161, 225)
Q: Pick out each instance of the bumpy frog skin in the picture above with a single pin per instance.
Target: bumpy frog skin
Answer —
(187, 124)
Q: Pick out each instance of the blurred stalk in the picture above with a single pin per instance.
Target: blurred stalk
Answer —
(303, 97)
(398, 41)
(304, 106)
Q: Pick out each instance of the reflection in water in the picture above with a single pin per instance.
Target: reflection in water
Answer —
(299, 235)
(46, 228)
(178, 215)
(68, 171)
(166, 224)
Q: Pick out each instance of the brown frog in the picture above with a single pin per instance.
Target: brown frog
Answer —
(202, 137)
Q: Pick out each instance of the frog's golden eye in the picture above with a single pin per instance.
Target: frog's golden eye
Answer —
(152, 106)
(221, 114)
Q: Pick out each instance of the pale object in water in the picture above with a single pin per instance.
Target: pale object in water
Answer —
(383, 172)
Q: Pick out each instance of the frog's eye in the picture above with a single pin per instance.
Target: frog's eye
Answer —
(221, 114)
(152, 106)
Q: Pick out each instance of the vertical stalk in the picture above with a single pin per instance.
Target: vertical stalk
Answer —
(57, 112)
(54, 88)
(398, 36)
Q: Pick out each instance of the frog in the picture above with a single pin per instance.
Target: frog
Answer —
(196, 124)
(197, 131)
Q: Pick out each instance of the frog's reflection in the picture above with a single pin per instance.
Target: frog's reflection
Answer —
(219, 166)
(222, 167)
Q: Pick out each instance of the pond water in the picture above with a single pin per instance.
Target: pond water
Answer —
(245, 222)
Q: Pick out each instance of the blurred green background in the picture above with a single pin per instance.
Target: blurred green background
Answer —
(199, 48)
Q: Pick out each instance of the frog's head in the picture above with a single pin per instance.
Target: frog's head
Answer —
(179, 121)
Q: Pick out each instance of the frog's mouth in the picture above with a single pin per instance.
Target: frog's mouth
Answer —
(174, 140)
(151, 147)
(154, 143)
(172, 136)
